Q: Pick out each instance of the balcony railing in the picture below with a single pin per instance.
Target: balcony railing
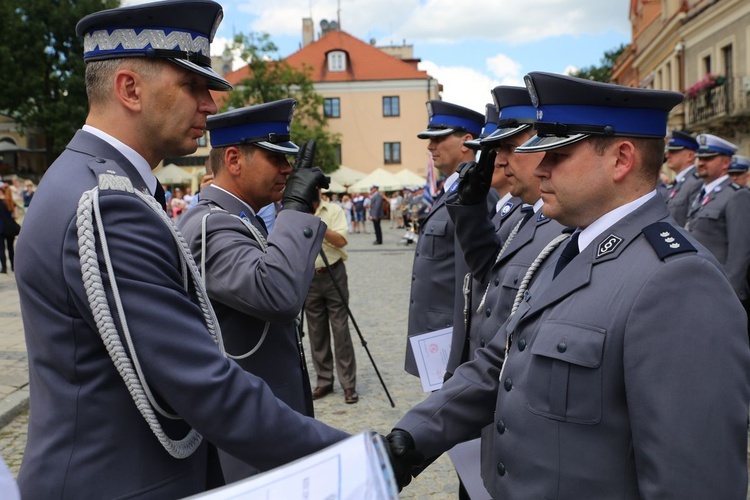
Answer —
(723, 101)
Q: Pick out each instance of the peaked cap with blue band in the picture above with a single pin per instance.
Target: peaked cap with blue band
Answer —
(740, 165)
(491, 117)
(570, 109)
(711, 145)
(446, 118)
(265, 125)
(178, 30)
(681, 140)
(516, 113)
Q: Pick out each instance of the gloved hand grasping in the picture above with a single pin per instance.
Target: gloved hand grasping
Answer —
(403, 456)
(302, 185)
(475, 179)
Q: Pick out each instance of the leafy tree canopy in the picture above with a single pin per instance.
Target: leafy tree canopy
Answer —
(272, 78)
(42, 65)
(603, 72)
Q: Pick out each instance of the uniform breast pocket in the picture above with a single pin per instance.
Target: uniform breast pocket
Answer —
(565, 376)
(513, 276)
(709, 213)
(437, 245)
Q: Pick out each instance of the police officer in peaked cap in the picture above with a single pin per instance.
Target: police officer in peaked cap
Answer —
(258, 282)
(131, 393)
(438, 269)
(718, 213)
(681, 161)
(589, 390)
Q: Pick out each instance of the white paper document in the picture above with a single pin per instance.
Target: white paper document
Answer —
(431, 351)
(355, 468)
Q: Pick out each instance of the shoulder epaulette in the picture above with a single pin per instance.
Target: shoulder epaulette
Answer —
(695, 175)
(735, 186)
(667, 240)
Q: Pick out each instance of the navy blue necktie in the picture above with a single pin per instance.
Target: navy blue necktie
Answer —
(528, 214)
(570, 251)
(159, 196)
(262, 223)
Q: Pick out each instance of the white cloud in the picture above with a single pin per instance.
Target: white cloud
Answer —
(569, 70)
(513, 21)
(505, 69)
(462, 85)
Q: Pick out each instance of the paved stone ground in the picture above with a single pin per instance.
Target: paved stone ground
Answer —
(379, 279)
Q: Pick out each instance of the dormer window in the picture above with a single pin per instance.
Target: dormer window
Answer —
(337, 60)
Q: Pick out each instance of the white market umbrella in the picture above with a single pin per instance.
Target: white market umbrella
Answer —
(380, 177)
(172, 174)
(410, 179)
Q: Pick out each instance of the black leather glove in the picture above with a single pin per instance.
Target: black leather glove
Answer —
(475, 179)
(404, 458)
(301, 189)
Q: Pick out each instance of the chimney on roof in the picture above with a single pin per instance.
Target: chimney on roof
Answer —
(308, 32)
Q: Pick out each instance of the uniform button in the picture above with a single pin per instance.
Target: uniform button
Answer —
(515, 280)
(413, 277)
(411, 301)
(488, 312)
(101, 160)
(508, 384)
(497, 281)
(501, 469)
(562, 347)
(481, 343)
(522, 344)
(416, 254)
(501, 427)
(307, 232)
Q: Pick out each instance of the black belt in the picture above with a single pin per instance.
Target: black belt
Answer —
(323, 270)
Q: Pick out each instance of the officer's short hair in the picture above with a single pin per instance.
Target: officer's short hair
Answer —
(216, 156)
(99, 74)
(650, 150)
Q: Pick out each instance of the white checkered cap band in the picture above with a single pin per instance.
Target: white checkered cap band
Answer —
(128, 40)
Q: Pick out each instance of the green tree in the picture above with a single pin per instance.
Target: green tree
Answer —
(603, 72)
(42, 77)
(272, 78)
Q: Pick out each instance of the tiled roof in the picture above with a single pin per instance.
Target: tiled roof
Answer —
(365, 61)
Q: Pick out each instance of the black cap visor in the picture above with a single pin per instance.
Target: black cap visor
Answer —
(540, 143)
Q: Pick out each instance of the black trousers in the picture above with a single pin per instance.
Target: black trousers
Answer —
(378, 231)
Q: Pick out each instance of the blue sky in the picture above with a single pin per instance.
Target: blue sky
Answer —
(470, 46)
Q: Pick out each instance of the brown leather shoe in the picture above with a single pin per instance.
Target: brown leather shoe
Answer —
(322, 390)
(350, 396)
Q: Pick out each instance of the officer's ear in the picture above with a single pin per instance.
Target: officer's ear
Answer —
(232, 157)
(127, 87)
(624, 155)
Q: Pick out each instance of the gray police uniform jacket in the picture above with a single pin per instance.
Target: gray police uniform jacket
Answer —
(86, 437)
(602, 394)
(249, 287)
(376, 206)
(502, 277)
(720, 224)
(437, 275)
(682, 195)
(464, 314)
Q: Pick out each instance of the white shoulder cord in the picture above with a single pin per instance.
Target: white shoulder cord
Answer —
(510, 237)
(546, 251)
(263, 245)
(130, 370)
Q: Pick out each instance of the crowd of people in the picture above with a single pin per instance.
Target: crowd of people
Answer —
(590, 331)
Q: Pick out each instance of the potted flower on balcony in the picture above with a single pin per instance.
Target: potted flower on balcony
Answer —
(705, 84)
